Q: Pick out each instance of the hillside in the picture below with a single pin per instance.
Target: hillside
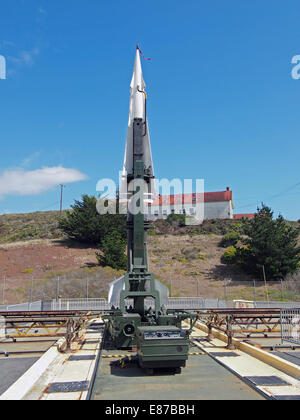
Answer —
(37, 260)
(24, 227)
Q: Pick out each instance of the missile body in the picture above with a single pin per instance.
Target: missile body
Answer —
(139, 299)
(133, 150)
(137, 190)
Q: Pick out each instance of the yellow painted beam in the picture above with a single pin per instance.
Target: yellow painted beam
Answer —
(266, 357)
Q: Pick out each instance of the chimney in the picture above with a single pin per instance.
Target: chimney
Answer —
(227, 188)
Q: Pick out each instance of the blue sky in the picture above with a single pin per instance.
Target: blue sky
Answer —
(222, 104)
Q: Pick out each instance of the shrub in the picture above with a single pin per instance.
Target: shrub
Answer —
(201, 257)
(28, 271)
(178, 219)
(230, 256)
(113, 248)
(180, 259)
(229, 239)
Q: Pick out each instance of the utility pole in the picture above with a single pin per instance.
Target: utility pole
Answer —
(282, 294)
(3, 290)
(57, 288)
(265, 280)
(225, 288)
(62, 186)
(31, 290)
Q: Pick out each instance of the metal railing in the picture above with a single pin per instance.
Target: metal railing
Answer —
(22, 307)
(276, 304)
(290, 325)
(75, 305)
(186, 303)
(101, 304)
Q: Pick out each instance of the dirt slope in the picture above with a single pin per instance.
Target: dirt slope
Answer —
(37, 261)
(188, 265)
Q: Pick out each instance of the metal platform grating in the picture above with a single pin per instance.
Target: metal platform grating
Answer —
(83, 357)
(57, 387)
(266, 380)
(224, 354)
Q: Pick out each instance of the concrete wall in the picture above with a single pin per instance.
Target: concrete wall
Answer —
(212, 210)
(218, 210)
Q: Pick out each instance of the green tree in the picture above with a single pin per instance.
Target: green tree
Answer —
(229, 239)
(84, 224)
(113, 248)
(271, 244)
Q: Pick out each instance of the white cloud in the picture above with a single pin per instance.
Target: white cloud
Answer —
(29, 159)
(25, 58)
(4, 44)
(22, 182)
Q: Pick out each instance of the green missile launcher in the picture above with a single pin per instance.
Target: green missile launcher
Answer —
(156, 332)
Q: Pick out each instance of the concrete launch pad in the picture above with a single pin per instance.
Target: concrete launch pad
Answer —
(92, 371)
(201, 379)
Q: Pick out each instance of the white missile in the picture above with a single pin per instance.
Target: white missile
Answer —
(137, 109)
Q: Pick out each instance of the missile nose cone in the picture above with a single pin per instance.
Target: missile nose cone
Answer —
(136, 86)
(137, 109)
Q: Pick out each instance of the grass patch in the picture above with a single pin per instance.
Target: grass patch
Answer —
(28, 226)
(28, 271)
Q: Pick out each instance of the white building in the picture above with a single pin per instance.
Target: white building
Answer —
(217, 205)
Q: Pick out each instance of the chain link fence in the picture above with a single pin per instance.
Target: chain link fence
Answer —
(290, 325)
(183, 303)
(72, 286)
(88, 290)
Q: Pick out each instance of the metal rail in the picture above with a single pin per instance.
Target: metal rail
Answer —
(246, 311)
(241, 321)
(45, 314)
(100, 304)
(41, 324)
(68, 323)
(37, 328)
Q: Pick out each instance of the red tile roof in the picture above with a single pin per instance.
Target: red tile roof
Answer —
(193, 198)
(244, 215)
